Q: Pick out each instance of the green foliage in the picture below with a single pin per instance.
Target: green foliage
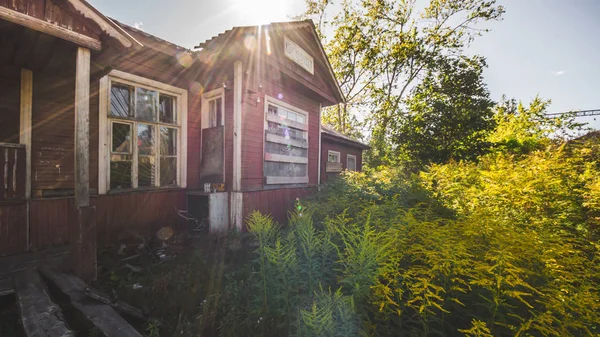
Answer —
(504, 246)
(381, 49)
(449, 114)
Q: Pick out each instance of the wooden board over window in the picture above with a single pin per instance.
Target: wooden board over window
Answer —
(286, 144)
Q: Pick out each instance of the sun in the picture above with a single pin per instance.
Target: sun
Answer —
(259, 12)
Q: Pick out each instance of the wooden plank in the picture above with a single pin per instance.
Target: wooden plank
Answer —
(282, 140)
(40, 316)
(3, 171)
(285, 158)
(10, 174)
(101, 315)
(25, 110)
(6, 286)
(49, 28)
(286, 180)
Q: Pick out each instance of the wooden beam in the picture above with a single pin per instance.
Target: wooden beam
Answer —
(286, 180)
(99, 314)
(285, 158)
(49, 28)
(237, 125)
(40, 316)
(25, 124)
(82, 127)
(282, 140)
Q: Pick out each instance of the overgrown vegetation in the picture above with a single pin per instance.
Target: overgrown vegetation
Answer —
(507, 245)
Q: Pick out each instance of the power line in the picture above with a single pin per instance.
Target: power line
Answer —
(580, 113)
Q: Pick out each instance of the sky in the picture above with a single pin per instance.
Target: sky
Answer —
(549, 48)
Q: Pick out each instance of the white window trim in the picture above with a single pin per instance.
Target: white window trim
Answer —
(339, 156)
(206, 98)
(348, 160)
(105, 130)
(270, 157)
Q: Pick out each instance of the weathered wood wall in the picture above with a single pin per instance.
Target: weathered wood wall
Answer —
(117, 216)
(49, 11)
(13, 227)
(10, 79)
(344, 150)
(278, 202)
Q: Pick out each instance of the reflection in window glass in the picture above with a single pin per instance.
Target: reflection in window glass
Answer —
(215, 112)
(168, 171)
(333, 157)
(145, 105)
(166, 109)
(146, 170)
(120, 100)
(168, 141)
(145, 139)
(120, 171)
(121, 138)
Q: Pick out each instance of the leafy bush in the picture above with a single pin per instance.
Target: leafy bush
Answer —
(507, 246)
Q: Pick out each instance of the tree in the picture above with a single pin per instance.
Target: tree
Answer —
(380, 48)
(449, 114)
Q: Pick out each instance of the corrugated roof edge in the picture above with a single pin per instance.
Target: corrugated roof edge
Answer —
(331, 132)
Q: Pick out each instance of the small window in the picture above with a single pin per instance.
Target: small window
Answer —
(351, 163)
(145, 106)
(121, 158)
(333, 157)
(213, 109)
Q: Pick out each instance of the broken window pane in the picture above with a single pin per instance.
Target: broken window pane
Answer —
(276, 169)
(120, 100)
(168, 171)
(145, 139)
(166, 109)
(284, 149)
(146, 170)
(120, 171)
(121, 138)
(145, 107)
(168, 141)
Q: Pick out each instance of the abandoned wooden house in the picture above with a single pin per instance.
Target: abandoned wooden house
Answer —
(105, 128)
(339, 152)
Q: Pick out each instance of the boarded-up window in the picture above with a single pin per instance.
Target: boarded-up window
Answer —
(149, 118)
(286, 144)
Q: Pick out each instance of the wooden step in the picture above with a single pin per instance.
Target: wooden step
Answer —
(40, 316)
(101, 315)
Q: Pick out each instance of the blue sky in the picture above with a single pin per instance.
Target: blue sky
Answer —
(545, 47)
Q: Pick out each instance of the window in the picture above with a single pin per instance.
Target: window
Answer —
(145, 130)
(351, 163)
(333, 156)
(286, 144)
(213, 109)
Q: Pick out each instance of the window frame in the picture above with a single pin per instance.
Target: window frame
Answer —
(106, 128)
(348, 161)
(337, 153)
(207, 97)
(269, 157)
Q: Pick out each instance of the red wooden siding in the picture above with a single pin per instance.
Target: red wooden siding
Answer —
(278, 202)
(142, 213)
(344, 150)
(13, 227)
(49, 11)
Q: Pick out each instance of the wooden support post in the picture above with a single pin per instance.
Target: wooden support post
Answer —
(84, 236)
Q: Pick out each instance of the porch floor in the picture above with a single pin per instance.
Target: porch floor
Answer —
(10, 265)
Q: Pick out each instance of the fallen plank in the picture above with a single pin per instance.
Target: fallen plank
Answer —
(40, 316)
(119, 305)
(100, 315)
(6, 286)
